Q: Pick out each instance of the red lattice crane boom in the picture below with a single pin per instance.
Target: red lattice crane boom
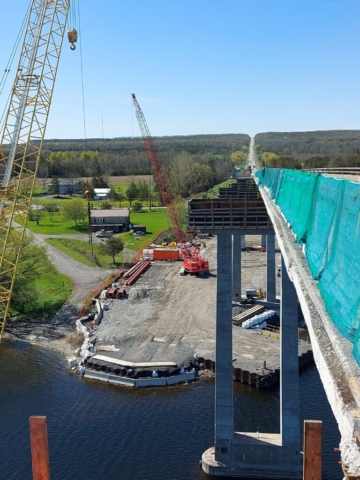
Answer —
(159, 173)
(193, 262)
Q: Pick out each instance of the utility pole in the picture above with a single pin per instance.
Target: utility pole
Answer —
(150, 194)
(88, 196)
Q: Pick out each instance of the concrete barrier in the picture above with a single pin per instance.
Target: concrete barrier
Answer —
(140, 382)
(129, 382)
(150, 382)
(96, 375)
(184, 377)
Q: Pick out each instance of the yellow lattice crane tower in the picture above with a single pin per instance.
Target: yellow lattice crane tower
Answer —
(23, 132)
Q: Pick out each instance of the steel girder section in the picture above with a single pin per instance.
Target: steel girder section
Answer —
(245, 214)
(23, 133)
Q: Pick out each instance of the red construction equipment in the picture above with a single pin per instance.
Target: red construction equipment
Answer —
(193, 261)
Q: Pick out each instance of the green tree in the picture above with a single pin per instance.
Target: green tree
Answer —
(269, 159)
(106, 205)
(132, 192)
(32, 259)
(237, 158)
(181, 207)
(112, 195)
(143, 191)
(37, 212)
(203, 177)
(137, 206)
(111, 246)
(87, 159)
(179, 174)
(55, 186)
(51, 208)
(98, 181)
(120, 195)
(245, 149)
(74, 210)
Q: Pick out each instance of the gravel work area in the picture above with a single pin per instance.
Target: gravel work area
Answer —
(168, 317)
(165, 315)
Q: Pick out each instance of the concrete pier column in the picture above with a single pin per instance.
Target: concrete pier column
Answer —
(236, 267)
(243, 242)
(224, 421)
(270, 269)
(289, 370)
(263, 241)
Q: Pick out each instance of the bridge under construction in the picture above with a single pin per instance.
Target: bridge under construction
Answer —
(270, 212)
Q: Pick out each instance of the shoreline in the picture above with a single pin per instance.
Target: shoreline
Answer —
(57, 340)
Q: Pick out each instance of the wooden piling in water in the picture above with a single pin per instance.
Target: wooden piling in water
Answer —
(312, 466)
(39, 448)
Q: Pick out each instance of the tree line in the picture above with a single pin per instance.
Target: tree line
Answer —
(318, 149)
(127, 156)
(192, 163)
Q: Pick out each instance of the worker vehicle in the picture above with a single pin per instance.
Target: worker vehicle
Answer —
(102, 234)
(194, 262)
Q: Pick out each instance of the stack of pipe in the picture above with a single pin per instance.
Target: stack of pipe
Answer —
(136, 271)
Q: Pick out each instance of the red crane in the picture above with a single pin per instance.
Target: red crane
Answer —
(193, 262)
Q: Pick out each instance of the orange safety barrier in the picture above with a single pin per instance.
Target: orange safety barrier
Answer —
(138, 256)
(104, 284)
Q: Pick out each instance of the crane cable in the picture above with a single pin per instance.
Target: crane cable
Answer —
(10, 62)
(82, 78)
(74, 22)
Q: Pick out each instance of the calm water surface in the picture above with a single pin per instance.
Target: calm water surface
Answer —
(102, 432)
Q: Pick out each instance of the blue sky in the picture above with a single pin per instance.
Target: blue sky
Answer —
(204, 66)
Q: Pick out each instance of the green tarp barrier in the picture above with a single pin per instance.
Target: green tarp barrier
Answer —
(323, 213)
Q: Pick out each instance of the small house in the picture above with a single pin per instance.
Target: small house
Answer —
(114, 220)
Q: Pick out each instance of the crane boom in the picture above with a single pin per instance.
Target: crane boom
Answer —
(23, 132)
(159, 173)
(193, 262)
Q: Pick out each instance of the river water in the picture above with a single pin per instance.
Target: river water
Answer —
(102, 432)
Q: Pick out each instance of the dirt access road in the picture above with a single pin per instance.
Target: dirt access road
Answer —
(168, 317)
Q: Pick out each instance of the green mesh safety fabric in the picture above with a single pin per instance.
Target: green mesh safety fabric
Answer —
(324, 215)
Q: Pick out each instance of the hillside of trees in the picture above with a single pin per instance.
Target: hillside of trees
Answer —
(328, 148)
(193, 163)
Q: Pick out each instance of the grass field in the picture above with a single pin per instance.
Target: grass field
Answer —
(58, 226)
(51, 291)
(224, 184)
(83, 252)
(154, 220)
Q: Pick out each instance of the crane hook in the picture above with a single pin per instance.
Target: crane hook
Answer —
(72, 37)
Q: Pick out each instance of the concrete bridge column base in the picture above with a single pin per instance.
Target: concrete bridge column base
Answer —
(256, 455)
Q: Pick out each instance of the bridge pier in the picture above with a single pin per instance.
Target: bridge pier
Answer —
(237, 241)
(224, 417)
(254, 454)
(270, 269)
